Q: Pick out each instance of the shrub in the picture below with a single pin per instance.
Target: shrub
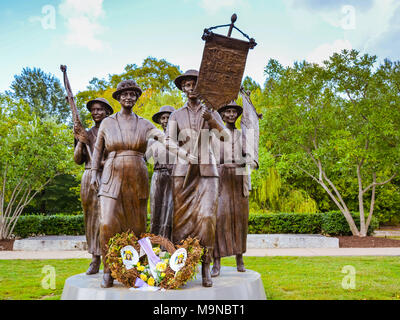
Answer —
(334, 223)
(261, 223)
(58, 224)
(330, 223)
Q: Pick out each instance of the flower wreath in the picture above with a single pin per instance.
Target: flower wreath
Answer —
(133, 267)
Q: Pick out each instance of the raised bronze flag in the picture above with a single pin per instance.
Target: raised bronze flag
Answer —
(221, 71)
(250, 127)
(222, 67)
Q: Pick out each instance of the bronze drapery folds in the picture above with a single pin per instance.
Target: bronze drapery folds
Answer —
(124, 186)
(195, 194)
(84, 145)
(161, 200)
(221, 70)
(233, 204)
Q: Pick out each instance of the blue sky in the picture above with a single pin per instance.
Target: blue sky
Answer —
(95, 38)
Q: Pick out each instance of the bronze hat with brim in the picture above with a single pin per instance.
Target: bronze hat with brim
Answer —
(125, 86)
(164, 109)
(190, 74)
(233, 105)
(102, 101)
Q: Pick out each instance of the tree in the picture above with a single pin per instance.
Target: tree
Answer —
(33, 151)
(337, 124)
(250, 85)
(61, 195)
(153, 74)
(155, 77)
(42, 92)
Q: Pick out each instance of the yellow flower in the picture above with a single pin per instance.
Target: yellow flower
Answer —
(156, 250)
(140, 268)
(162, 275)
(143, 277)
(166, 260)
(161, 266)
(138, 264)
(151, 281)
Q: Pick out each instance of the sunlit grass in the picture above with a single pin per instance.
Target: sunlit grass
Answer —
(320, 278)
(284, 278)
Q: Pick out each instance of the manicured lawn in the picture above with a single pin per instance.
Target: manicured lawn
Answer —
(284, 278)
(320, 278)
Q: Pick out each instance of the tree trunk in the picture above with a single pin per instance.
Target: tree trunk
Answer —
(343, 209)
(42, 202)
(363, 231)
(338, 201)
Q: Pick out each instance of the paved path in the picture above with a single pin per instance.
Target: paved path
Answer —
(309, 252)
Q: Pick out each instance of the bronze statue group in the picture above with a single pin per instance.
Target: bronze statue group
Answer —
(200, 194)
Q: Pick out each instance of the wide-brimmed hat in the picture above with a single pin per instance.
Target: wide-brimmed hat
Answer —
(190, 74)
(125, 86)
(102, 101)
(234, 105)
(163, 109)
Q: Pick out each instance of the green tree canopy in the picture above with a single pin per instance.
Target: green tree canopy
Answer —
(152, 74)
(338, 124)
(250, 85)
(33, 151)
(155, 77)
(42, 92)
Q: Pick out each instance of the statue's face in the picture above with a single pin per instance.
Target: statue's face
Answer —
(128, 98)
(230, 115)
(188, 88)
(164, 120)
(98, 112)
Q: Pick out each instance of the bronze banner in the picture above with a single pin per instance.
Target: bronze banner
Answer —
(221, 70)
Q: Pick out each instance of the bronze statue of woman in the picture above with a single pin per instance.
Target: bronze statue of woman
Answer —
(161, 201)
(195, 203)
(99, 109)
(124, 184)
(233, 204)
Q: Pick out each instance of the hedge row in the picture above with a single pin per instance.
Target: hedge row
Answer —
(58, 224)
(332, 223)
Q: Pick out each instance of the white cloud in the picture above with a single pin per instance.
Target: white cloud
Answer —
(324, 51)
(213, 6)
(373, 19)
(370, 27)
(378, 22)
(82, 21)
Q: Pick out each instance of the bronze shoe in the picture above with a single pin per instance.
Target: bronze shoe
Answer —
(216, 268)
(206, 275)
(94, 266)
(107, 281)
(239, 263)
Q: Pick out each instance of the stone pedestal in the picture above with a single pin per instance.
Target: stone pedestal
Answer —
(230, 285)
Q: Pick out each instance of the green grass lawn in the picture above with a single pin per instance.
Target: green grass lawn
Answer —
(284, 278)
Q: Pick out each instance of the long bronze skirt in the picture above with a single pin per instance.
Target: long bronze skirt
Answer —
(161, 203)
(232, 215)
(91, 213)
(128, 212)
(195, 209)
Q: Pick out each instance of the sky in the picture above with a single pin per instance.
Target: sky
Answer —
(95, 38)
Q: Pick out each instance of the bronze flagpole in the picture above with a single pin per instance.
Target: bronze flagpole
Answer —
(223, 63)
(79, 131)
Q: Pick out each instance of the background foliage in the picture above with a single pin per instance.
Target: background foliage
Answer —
(332, 93)
(331, 223)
